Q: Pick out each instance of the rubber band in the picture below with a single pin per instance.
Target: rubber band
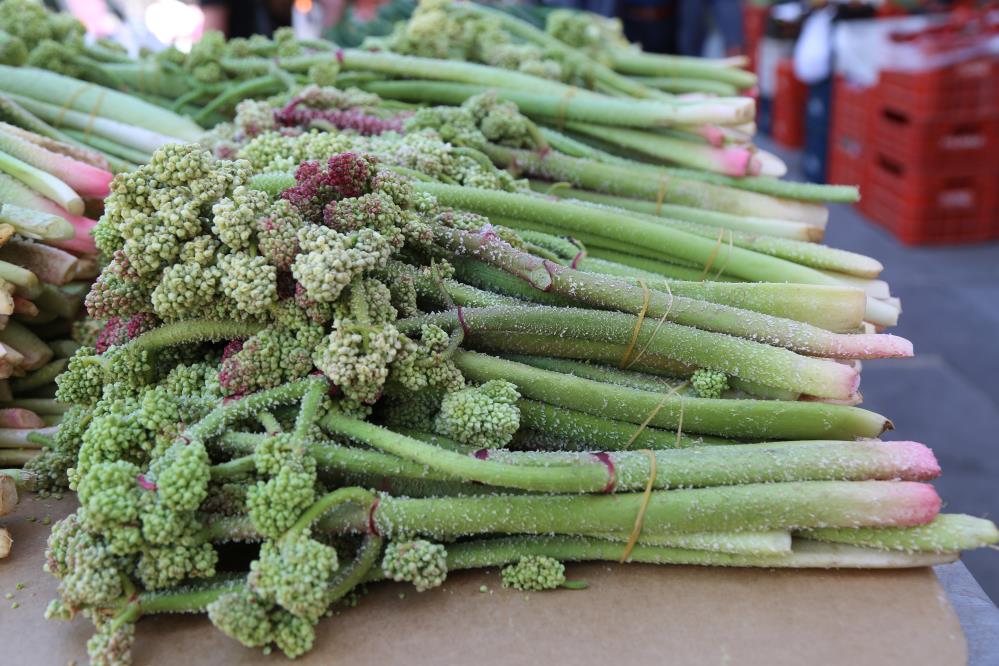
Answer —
(482, 454)
(652, 414)
(712, 256)
(67, 105)
(575, 260)
(94, 113)
(638, 326)
(372, 527)
(636, 531)
(662, 320)
(661, 194)
(605, 458)
(728, 257)
(563, 107)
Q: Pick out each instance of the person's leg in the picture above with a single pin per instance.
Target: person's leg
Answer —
(692, 28)
(727, 16)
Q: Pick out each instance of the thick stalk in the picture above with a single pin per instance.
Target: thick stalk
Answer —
(746, 359)
(947, 533)
(629, 182)
(757, 225)
(193, 330)
(742, 419)
(773, 506)
(640, 63)
(569, 218)
(18, 438)
(681, 85)
(553, 102)
(803, 555)
(603, 292)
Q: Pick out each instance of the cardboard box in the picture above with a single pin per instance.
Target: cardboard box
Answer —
(630, 615)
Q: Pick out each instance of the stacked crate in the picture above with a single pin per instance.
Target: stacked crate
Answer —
(848, 129)
(931, 163)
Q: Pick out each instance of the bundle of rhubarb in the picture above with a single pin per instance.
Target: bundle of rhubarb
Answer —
(47, 262)
(373, 355)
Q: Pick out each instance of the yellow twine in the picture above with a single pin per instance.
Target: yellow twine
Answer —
(661, 195)
(712, 256)
(67, 105)
(636, 531)
(728, 257)
(638, 326)
(94, 113)
(563, 107)
(662, 320)
(656, 410)
(679, 424)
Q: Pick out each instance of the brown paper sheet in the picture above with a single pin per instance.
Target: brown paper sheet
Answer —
(633, 614)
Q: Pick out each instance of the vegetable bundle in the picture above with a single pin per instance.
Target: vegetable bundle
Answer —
(342, 335)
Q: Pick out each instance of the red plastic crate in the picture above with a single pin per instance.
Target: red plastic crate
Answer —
(788, 122)
(966, 87)
(921, 207)
(960, 143)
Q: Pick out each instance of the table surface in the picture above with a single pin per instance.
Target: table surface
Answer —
(978, 616)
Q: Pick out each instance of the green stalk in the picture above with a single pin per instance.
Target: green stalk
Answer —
(681, 85)
(758, 507)
(87, 99)
(753, 361)
(41, 377)
(576, 431)
(248, 407)
(44, 407)
(133, 136)
(132, 156)
(572, 218)
(193, 330)
(660, 186)
(603, 292)
(505, 343)
(658, 269)
(16, 457)
(19, 438)
(803, 555)
(947, 533)
(35, 223)
(26, 282)
(745, 543)
(639, 63)
(42, 182)
(549, 101)
(746, 419)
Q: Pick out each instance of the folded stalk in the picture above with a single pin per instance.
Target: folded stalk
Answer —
(947, 533)
(747, 419)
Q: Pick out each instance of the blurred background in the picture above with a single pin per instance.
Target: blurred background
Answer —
(898, 96)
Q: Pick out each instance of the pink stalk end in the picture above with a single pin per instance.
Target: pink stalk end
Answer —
(919, 504)
(916, 461)
(755, 166)
(735, 161)
(15, 417)
(712, 134)
(83, 241)
(877, 345)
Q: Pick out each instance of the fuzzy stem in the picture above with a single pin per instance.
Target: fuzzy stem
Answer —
(247, 407)
(725, 508)
(749, 419)
(756, 225)
(604, 292)
(193, 330)
(746, 359)
(947, 533)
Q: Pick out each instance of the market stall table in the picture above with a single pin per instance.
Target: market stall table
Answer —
(635, 614)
